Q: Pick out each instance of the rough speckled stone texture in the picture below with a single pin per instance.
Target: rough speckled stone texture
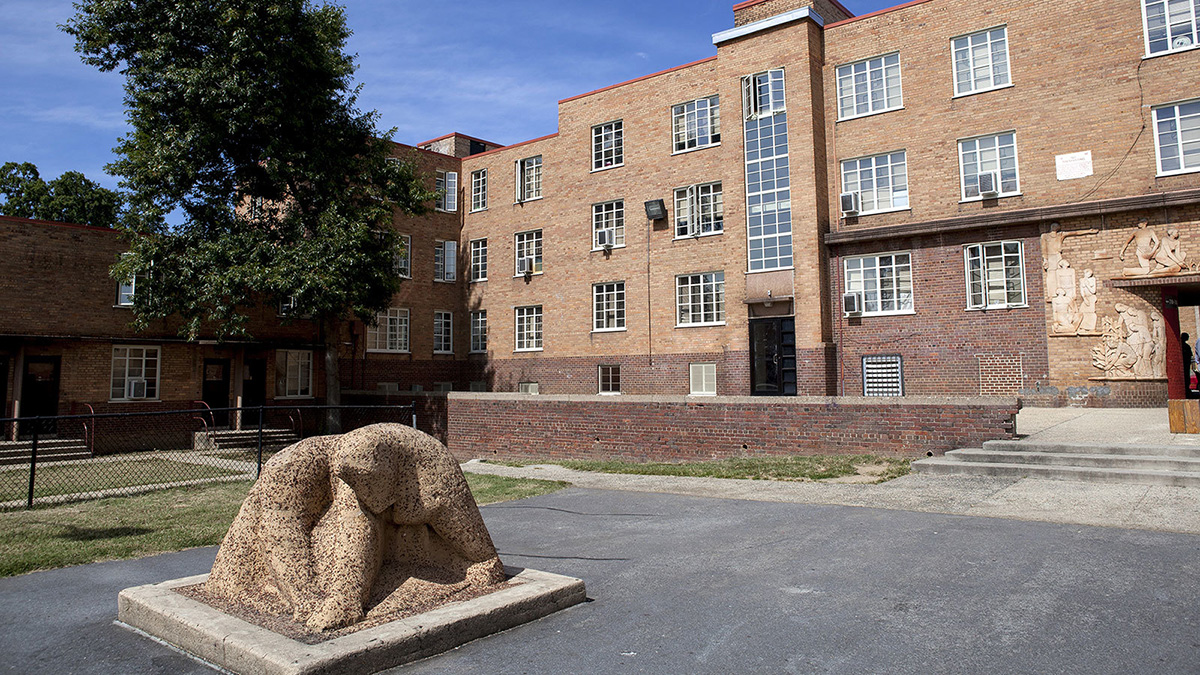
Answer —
(365, 524)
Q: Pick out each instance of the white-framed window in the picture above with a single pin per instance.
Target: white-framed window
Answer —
(981, 61)
(443, 332)
(610, 379)
(528, 328)
(699, 210)
(608, 306)
(477, 386)
(703, 379)
(1170, 25)
(445, 260)
(529, 178)
(768, 183)
(479, 256)
(884, 280)
(135, 373)
(608, 145)
(290, 307)
(700, 299)
(479, 331)
(446, 183)
(763, 94)
(527, 387)
(869, 86)
(608, 217)
(390, 332)
(1177, 137)
(479, 190)
(996, 155)
(696, 124)
(293, 373)
(995, 275)
(128, 288)
(883, 375)
(402, 261)
(881, 181)
(529, 246)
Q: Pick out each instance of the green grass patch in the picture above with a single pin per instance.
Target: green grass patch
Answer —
(794, 468)
(491, 489)
(92, 476)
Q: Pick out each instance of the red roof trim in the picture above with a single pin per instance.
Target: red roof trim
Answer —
(877, 13)
(455, 133)
(55, 223)
(514, 145)
(751, 3)
(639, 79)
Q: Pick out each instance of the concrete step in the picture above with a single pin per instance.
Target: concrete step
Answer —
(49, 450)
(243, 440)
(1151, 462)
(1095, 448)
(952, 466)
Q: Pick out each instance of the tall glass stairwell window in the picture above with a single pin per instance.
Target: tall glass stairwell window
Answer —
(768, 186)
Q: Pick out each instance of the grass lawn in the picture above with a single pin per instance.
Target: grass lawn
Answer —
(157, 522)
(801, 467)
(88, 476)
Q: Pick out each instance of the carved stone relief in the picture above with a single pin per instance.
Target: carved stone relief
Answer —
(1132, 345)
(1052, 245)
(1155, 255)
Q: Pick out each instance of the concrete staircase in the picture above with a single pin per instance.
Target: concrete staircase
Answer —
(49, 450)
(246, 440)
(1171, 465)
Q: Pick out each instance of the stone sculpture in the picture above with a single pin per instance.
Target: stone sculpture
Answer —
(1113, 355)
(1155, 255)
(1052, 245)
(1063, 312)
(1087, 302)
(342, 526)
(1132, 345)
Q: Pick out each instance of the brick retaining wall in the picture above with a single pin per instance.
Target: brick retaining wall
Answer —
(668, 428)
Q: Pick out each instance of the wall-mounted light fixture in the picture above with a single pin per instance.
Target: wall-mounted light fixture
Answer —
(656, 209)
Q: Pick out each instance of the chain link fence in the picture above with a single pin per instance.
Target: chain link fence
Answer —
(52, 460)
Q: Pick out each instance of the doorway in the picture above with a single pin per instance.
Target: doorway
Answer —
(773, 357)
(215, 390)
(39, 393)
(254, 390)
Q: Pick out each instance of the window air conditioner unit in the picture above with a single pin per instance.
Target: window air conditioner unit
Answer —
(852, 303)
(525, 266)
(135, 388)
(989, 184)
(604, 238)
(389, 387)
(851, 203)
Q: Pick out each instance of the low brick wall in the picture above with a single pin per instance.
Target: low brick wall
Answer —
(670, 428)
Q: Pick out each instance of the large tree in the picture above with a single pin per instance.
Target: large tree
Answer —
(70, 198)
(236, 104)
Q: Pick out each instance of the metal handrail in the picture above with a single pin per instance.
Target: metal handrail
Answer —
(89, 430)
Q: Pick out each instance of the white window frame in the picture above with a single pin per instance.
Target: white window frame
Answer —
(479, 260)
(994, 279)
(608, 145)
(443, 331)
(609, 216)
(608, 307)
(855, 185)
(303, 363)
(601, 380)
(1193, 20)
(527, 244)
(402, 262)
(126, 291)
(122, 356)
(702, 372)
(479, 331)
(1177, 121)
(711, 292)
(390, 334)
(530, 388)
(989, 37)
(287, 309)
(445, 261)
(696, 124)
(755, 89)
(446, 183)
(479, 188)
(527, 328)
(859, 79)
(858, 284)
(962, 166)
(768, 182)
(529, 179)
(705, 199)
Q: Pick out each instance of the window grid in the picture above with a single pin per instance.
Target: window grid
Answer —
(529, 245)
(529, 183)
(696, 124)
(125, 292)
(402, 261)
(293, 374)
(445, 260)
(768, 187)
(699, 210)
(762, 94)
(884, 280)
(443, 332)
(981, 61)
(1171, 25)
(528, 328)
(995, 275)
(479, 331)
(610, 379)
(609, 217)
(608, 306)
(881, 181)
(883, 375)
(989, 153)
(700, 298)
(446, 183)
(1177, 130)
(134, 363)
(869, 86)
(479, 186)
(703, 378)
(390, 332)
(608, 145)
(479, 260)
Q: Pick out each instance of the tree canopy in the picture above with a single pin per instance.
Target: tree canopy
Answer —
(70, 198)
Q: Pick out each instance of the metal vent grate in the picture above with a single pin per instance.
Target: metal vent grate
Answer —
(883, 375)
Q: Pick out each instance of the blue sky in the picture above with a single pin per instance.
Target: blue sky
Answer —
(487, 68)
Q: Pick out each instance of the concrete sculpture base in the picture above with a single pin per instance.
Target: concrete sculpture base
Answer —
(235, 645)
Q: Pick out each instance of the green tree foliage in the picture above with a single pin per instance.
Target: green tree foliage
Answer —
(237, 103)
(70, 198)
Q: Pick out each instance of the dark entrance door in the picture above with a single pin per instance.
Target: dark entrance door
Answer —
(254, 390)
(39, 393)
(216, 389)
(773, 357)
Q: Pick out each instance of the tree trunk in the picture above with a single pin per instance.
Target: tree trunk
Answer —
(333, 381)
